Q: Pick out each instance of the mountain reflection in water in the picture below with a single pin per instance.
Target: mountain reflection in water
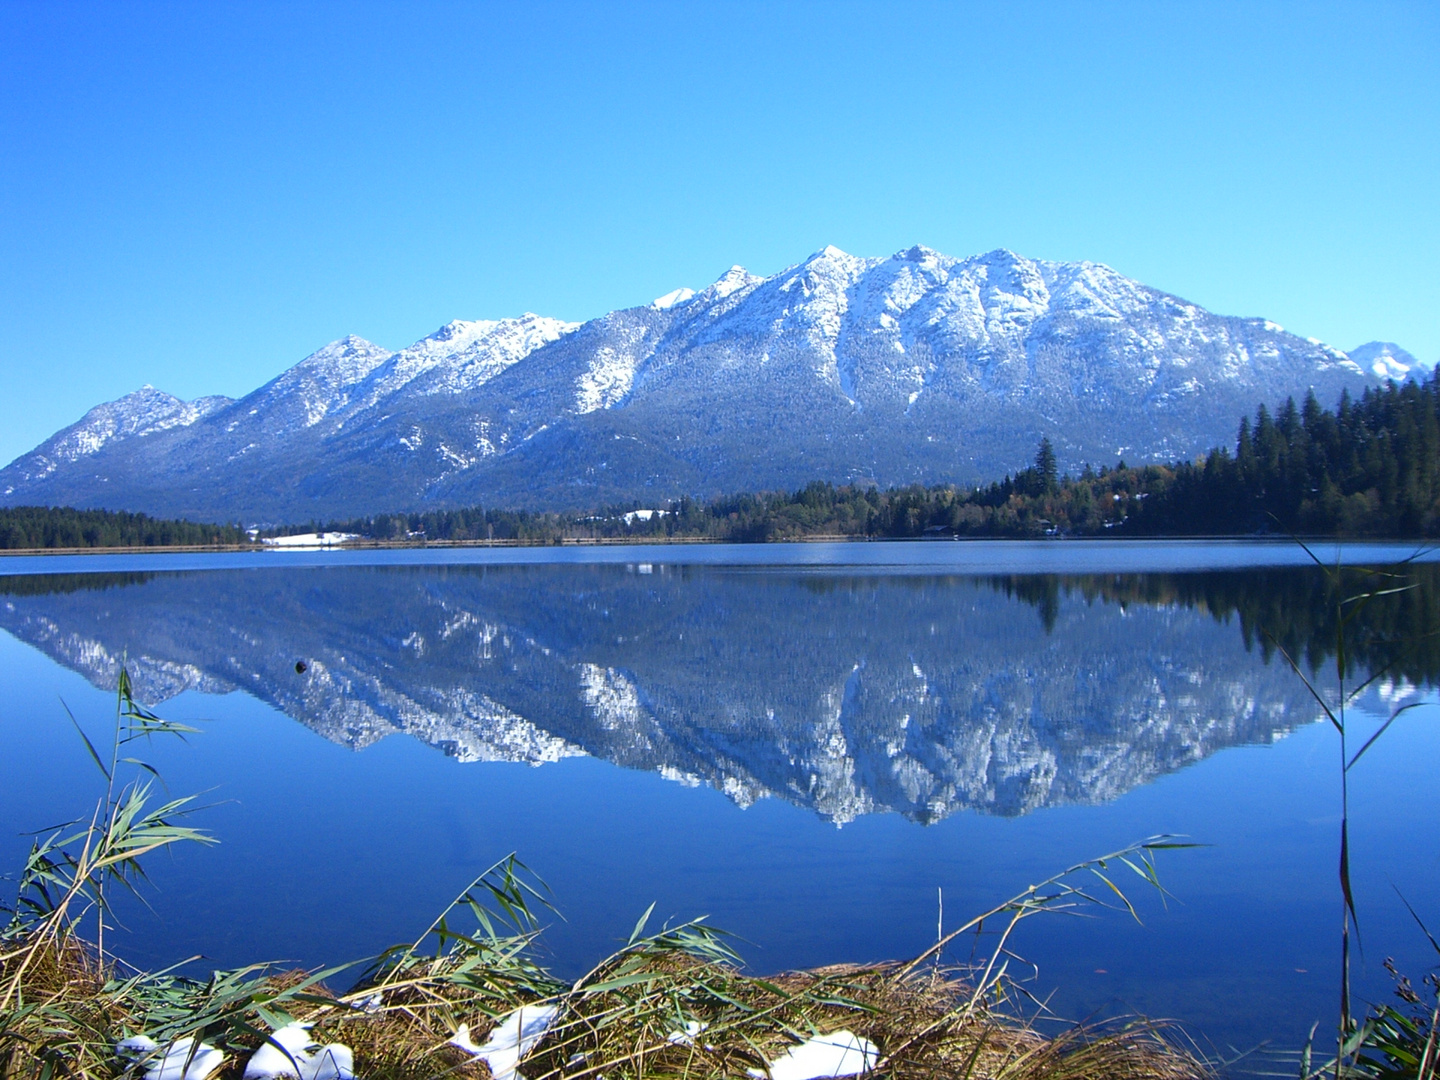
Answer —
(845, 693)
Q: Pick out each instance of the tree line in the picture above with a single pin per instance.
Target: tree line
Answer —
(1368, 468)
(1365, 468)
(65, 527)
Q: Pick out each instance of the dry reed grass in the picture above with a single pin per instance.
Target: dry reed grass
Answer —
(924, 1022)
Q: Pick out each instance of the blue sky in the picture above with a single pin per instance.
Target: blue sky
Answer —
(198, 195)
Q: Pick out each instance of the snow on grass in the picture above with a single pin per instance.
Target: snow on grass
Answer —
(310, 540)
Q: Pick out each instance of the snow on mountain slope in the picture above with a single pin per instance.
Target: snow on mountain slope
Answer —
(314, 388)
(878, 329)
(610, 373)
(884, 330)
(351, 375)
(806, 302)
(918, 367)
(136, 415)
(1386, 360)
(670, 299)
(462, 356)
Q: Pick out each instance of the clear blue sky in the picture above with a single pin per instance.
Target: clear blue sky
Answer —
(198, 195)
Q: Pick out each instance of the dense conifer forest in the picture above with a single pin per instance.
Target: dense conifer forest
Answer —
(62, 527)
(1367, 468)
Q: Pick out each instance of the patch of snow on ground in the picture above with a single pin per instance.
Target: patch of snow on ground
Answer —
(179, 1060)
(310, 540)
(839, 1054)
(514, 1036)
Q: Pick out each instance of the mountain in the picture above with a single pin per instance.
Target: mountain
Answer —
(843, 693)
(1386, 360)
(145, 412)
(914, 368)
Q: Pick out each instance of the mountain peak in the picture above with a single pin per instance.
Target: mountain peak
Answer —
(670, 299)
(919, 253)
(463, 354)
(1385, 360)
(141, 412)
(733, 280)
(459, 334)
(459, 330)
(832, 256)
(344, 361)
(349, 345)
(1004, 255)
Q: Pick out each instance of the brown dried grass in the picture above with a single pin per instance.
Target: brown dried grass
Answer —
(925, 1023)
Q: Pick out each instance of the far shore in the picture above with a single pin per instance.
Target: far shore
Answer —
(645, 541)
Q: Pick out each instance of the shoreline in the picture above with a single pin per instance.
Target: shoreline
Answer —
(682, 541)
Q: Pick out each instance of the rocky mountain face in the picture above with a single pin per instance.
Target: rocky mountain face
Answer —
(1385, 360)
(846, 694)
(145, 412)
(917, 367)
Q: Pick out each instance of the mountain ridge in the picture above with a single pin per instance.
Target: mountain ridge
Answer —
(916, 367)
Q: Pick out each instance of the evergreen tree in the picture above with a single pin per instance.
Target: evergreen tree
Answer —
(1046, 468)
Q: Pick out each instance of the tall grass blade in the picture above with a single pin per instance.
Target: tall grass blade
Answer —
(89, 746)
(1383, 728)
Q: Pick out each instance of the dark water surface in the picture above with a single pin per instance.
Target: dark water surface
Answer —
(803, 742)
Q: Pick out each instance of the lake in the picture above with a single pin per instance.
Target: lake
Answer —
(812, 744)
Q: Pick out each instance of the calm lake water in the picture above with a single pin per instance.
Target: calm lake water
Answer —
(803, 742)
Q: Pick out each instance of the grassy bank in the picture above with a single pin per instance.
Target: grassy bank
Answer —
(622, 1021)
(669, 1004)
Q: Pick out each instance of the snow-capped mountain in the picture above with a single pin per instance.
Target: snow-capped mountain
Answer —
(917, 367)
(317, 387)
(462, 356)
(1386, 360)
(136, 415)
